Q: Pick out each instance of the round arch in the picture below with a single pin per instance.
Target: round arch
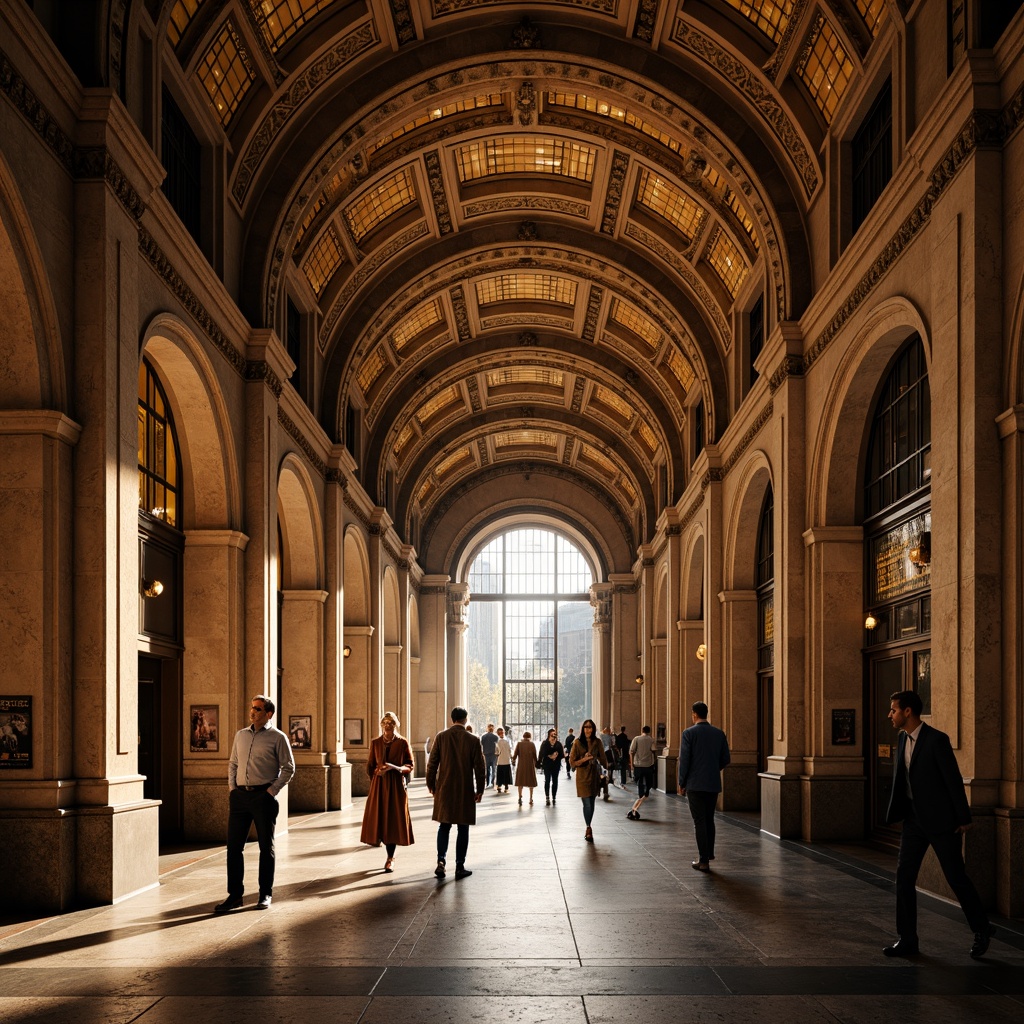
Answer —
(357, 579)
(743, 527)
(301, 530)
(692, 603)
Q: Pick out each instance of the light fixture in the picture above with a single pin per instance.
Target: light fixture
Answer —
(346, 650)
(702, 652)
(639, 679)
(870, 621)
(920, 552)
(152, 588)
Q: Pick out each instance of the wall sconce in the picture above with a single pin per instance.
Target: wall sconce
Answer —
(346, 650)
(870, 621)
(920, 553)
(152, 588)
(702, 652)
(639, 679)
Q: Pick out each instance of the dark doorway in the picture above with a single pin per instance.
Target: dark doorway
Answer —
(160, 740)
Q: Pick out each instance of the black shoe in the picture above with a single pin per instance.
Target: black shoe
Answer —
(981, 941)
(630, 815)
(462, 872)
(904, 947)
(263, 903)
(700, 865)
(231, 903)
(439, 870)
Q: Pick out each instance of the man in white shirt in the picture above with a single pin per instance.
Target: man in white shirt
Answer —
(260, 766)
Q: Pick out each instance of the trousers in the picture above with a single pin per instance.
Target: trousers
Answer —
(247, 807)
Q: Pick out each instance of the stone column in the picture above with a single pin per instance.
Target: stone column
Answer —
(458, 606)
(430, 696)
(602, 675)
(302, 692)
(834, 779)
(213, 669)
(359, 705)
(37, 835)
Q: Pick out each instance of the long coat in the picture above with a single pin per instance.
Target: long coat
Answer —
(386, 814)
(456, 762)
(588, 776)
(526, 764)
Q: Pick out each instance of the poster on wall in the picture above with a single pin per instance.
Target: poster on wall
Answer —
(15, 733)
(299, 730)
(844, 727)
(205, 729)
(354, 732)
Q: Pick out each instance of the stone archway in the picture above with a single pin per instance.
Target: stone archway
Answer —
(361, 705)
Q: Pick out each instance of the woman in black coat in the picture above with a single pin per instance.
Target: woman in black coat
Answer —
(550, 759)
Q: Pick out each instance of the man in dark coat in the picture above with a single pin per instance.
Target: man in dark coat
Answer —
(456, 763)
(703, 753)
(928, 797)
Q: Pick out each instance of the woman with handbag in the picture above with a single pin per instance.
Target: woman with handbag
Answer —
(550, 757)
(386, 815)
(587, 758)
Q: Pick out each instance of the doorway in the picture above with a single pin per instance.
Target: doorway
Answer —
(160, 740)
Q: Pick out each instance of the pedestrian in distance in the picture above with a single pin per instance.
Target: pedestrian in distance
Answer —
(641, 763)
(504, 756)
(570, 739)
(525, 760)
(489, 741)
(550, 756)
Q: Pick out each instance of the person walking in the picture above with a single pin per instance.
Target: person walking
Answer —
(386, 814)
(455, 778)
(260, 766)
(641, 763)
(551, 755)
(570, 739)
(489, 741)
(525, 760)
(587, 758)
(504, 756)
(703, 753)
(622, 754)
(928, 796)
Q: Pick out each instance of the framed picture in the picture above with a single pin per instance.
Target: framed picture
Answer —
(353, 732)
(844, 727)
(15, 732)
(204, 729)
(660, 738)
(300, 731)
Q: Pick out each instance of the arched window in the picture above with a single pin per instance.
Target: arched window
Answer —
(766, 585)
(159, 477)
(530, 638)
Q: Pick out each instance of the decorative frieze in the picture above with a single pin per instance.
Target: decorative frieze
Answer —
(260, 371)
(791, 366)
(307, 449)
(438, 193)
(401, 17)
(97, 163)
(613, 196)
(745, 441)
(646, 19)
(550, 204)
(25, 101)
(459, 308)
(590, 319)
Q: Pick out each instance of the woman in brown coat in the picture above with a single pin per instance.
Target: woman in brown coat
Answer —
(386, 815)
(525, 760)
(586, 754)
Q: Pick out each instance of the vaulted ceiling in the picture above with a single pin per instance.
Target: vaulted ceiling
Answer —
(525, 232)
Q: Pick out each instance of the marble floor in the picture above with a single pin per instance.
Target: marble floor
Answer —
(547, 929)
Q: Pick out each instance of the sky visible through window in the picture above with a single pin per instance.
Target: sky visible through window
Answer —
(529, 643)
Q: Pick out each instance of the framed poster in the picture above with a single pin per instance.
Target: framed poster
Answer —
(15, 733)
(844, 727)
(660, 738)
(353, 732)
(204, 729)
(300, 731)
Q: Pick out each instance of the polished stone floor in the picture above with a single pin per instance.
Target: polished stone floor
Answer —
(547, 929)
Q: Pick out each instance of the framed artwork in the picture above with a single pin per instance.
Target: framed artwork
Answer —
(15, 732)
(660, 737)
(844, 727)
(204, 729)
(300, 731)
(353, 732)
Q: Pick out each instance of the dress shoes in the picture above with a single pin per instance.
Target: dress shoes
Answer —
(700, 865)
(263, 903)
(462, 873)
(904, 947)
(231, 903)
(981, 941)
(439, 870)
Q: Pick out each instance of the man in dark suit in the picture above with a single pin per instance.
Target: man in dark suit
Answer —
(456, 763)
(703, 753)
(928, 797)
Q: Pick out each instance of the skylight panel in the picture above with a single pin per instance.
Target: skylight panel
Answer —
(727, 262)
(374, 207)
(181, 14)
(494, 99)
(324, 259)
(613, 401)
(520, 154)
(372, 368)
(445, 397)
(525, 439)
(680, 368)
(522, 285)
(423, 316)
(226, 73)
(660, 196)
(281, 19)
(518, 375)
(826, 70)
(603, 108)
(460, 455)
(627, 315)
(873, 13)
(770, 16)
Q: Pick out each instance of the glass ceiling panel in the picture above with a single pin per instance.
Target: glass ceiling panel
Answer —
(423, 316)
(613, 401)
(225, 73)
(321, 200)
(717, 182)
(602, 108)
(403, 439)
(495, 99)
(324, 259)
(681, 369)
(647, 436)
(827, 69)
(521, 154)
(526, 286)
(432, 406)
(660, 196)
(525, 438)
(374, 207)
(281, 19)
(627, 315)
(372, 368)
(770, 16)
(599, 459)
(525, 375)
(873, 13)
(453, 460)
(181, 14)
(727, 262)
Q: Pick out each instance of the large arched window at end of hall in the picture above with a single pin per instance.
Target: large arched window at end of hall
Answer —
(766, 630)
(897, 529)
(530, 637)
(159, 487)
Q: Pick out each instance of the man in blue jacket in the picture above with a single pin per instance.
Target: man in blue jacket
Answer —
(703, 753)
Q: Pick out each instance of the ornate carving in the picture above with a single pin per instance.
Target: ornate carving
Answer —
(28, 105)
(293, 431)
(481, 447)
(98, 163)
(771, 67)
(526, 104)
(578, 388)
(501, 204)
(646, 18)
(744, 443)
(757, 92)
(461, 312)
(260, 371)
(527, 232)
(473, 387)
(590, 318)
(528, 340)
(525, 36)
(195, 309)
(405, 27)
(438, 193)
(791, 366)
(325, 67)
(613, 197)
